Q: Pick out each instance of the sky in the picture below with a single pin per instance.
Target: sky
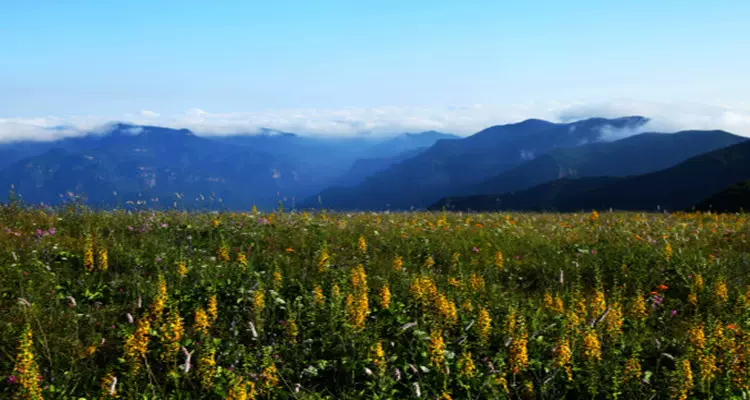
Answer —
(347, 67)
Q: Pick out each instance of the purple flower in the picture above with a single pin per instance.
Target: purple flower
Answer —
(158, 259)
(164, 225)
(593, 251)
(38, 232)
(52, 231)
(12, 380)
(674, 313)
(474, 249)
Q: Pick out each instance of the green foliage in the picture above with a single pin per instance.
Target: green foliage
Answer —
(628, 292)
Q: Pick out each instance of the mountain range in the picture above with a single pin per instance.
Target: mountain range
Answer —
(127, 163)
(532, 165)
(698, 182)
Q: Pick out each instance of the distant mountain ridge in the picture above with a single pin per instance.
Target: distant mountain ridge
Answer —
(680, 187)
(634, 155)
(128, 162)
(452, 164)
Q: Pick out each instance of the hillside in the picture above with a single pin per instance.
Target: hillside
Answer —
(677, 188)
(635, 155)
(450, 165)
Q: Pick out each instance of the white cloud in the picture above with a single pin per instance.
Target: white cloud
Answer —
(149, 114)
(464, 120)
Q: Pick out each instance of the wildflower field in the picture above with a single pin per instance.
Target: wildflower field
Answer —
(286, 305)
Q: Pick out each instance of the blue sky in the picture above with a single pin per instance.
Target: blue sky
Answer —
(252, 63)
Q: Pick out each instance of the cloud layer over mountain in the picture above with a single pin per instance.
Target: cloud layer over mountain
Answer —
(665, 117)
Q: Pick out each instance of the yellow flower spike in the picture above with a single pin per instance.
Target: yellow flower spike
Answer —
(171, 336)
(136, 346)
(398, 264)
(466, 367)
(277, 279)
(467, 307)
(378, 356)
(336, 292)
(613, 321)
(242, 260)
(318, 296)
(484, 325)
(720, 292)
(222, 254)
(437, 349)
(683, 380)
(638, 308)
(519, 356)
(108, 387)
(632, 372)
(385, 297)
(26, 369)
(201, 323)
(213, 309)
(88, 254)
(476, 282)
(157, 308)
(362, 244)
(207, 368)
(181, 269)
(499, 262)
(259, 301)
(323, 260)
(102, 259)
(562, 356)
(592, 349)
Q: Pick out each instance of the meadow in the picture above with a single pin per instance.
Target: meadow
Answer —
(290, 305)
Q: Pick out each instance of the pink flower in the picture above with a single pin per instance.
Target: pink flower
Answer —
(12, 380)
(476, 250)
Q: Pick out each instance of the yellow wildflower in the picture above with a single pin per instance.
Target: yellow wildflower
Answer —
(323, 260)
(476, 282)
(136, 345)
(446, 310)
(668, 251)
(213, 309)
(632, 372)
(277, 279)
(171, 335)
(613, 321)
(598, 304)
(88, 254)
(223, 254)
(594, 217)
(181, 269)
(429, 262)
(26, 369)
(259, 301)
(378, 356)
(362, 244)
(157, 308)
(592, 350)
(720, 291)
(242, 260)
(108, 386)
(519, 356)
(466, 367)
(683, 380)
(437, 349)
(318, 296)
(562, 357)
(201, 323)
(385, 297)
(207, 368)
(484, 325)
(336, 291)
(102, 259)
(499, 260)
(638, 308)
(398, 263)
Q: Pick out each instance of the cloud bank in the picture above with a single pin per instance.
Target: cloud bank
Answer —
(462, 120)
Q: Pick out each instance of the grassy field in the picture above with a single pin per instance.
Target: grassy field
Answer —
(173, 305)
